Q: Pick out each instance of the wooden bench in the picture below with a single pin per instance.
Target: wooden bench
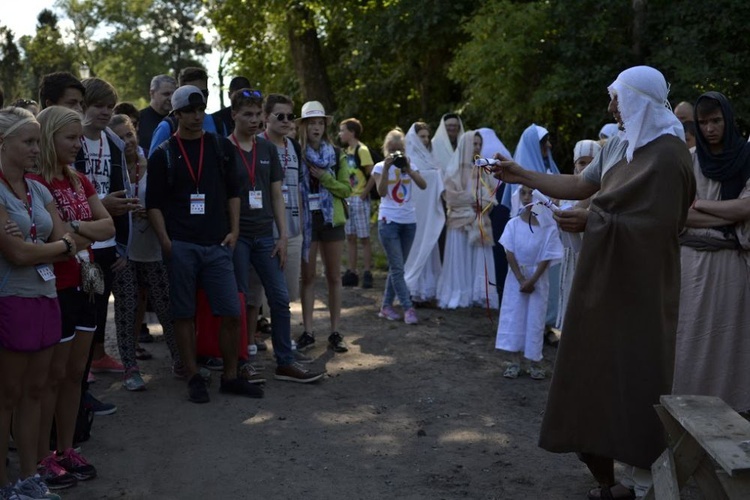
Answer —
(707, 441)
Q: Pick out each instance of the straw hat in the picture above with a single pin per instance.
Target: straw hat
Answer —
(314, 109)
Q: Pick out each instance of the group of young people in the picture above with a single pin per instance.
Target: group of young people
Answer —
(153, 207)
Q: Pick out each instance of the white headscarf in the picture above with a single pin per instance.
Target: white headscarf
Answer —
(585, 147)
(442, 149)
(542, 213)
(642, 97)
(609, 130)
(418, 153)
(492, 144)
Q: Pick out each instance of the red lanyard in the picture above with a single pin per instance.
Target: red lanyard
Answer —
(197, 180)
(89, 159)
(250, 168)
(29, 205)
(286, 153)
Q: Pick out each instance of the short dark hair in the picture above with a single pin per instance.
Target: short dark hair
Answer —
(448, 116)
(354, 126)
(707, 105)
(53, 87)
(128, 109)
(246, 97)
(191, 74)
(274, 99)
(237, 83)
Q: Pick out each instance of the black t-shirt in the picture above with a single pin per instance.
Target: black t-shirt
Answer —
(170, 190)
(258, 222)
(147, 122)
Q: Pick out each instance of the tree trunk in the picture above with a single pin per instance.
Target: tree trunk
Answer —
(307, 57)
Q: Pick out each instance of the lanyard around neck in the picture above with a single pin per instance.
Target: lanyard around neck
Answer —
(196, 179)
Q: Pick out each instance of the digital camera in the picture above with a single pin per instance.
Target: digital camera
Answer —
(399, 159)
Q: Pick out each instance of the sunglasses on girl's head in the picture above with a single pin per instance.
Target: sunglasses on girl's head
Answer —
(284, 117)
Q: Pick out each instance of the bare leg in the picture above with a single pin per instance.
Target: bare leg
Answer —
(308, 286)
(12, 370)
(57, 374)
(229, 338)
(366, 253)
(331, 252)
(184, 331)
(69, 396)
(351, 252)
(28, 411)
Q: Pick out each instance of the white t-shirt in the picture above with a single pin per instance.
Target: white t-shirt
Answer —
(396, 205)
(99, 171)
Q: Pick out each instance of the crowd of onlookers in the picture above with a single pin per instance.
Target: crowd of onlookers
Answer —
(213, 221)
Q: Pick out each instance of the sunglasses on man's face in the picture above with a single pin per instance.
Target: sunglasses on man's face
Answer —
(284, 116)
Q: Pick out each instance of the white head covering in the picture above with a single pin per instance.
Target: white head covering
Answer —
(642, 97)
(543, 214)
(609, 130)
(418, 153)
(442, 149)
(492, 144)
(585, 147)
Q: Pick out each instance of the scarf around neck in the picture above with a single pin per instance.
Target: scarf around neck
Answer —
(325, 159)
(731, 167)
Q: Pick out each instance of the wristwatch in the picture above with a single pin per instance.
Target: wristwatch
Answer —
(76, 225)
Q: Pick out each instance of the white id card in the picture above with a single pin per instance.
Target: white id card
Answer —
(255, 198)
(285, 194)
(45, 271)
(315, 201)
(197, 204)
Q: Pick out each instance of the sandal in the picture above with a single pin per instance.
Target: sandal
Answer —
(537, 373)
(142, 354)
(607, 493)
(512, 371)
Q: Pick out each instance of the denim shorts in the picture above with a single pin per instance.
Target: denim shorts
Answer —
(209, 267)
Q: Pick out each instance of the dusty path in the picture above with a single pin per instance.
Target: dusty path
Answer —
(412, 412)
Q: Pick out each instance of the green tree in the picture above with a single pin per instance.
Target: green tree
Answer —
(10, 64)
(45, 52)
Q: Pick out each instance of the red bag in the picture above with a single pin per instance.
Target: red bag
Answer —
(207, 328)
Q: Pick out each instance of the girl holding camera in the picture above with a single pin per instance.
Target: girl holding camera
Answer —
(397, 221)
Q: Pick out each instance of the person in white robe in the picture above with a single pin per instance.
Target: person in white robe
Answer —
(583, 154)
(445, 140)
(532, 242)
(423, 266)
(468, 266)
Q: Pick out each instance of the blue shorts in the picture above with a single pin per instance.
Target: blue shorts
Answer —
(209, 267)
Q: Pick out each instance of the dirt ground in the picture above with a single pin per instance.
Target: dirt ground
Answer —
(410, 412)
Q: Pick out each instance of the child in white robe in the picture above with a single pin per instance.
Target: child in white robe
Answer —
(532, 243)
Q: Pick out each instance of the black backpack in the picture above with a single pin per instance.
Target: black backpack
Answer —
(377, 157)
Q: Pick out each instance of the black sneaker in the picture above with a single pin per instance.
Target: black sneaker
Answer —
(350, 278)
(306, 341)
(248, 372)
(367, 280)
(97, 407)
(336, 341)
(197, 390)
(214, 364)
(297, 373)
(240, 387)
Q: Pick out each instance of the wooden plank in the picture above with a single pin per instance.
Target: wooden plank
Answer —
(708, 481)
(721, 431)
(665, 477)
(737, 488)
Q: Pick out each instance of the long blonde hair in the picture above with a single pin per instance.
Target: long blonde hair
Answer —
(52, 120)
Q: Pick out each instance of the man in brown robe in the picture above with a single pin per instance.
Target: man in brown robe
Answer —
(617, 355)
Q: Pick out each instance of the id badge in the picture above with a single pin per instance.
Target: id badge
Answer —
(315, 201)
(285, 194)
(45, 271)
(255, 198)
(197, 204)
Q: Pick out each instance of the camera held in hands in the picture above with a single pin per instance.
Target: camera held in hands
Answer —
(398, 159)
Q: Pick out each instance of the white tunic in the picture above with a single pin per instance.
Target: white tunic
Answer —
(522, 315)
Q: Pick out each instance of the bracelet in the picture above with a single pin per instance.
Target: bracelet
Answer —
(68, 245)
